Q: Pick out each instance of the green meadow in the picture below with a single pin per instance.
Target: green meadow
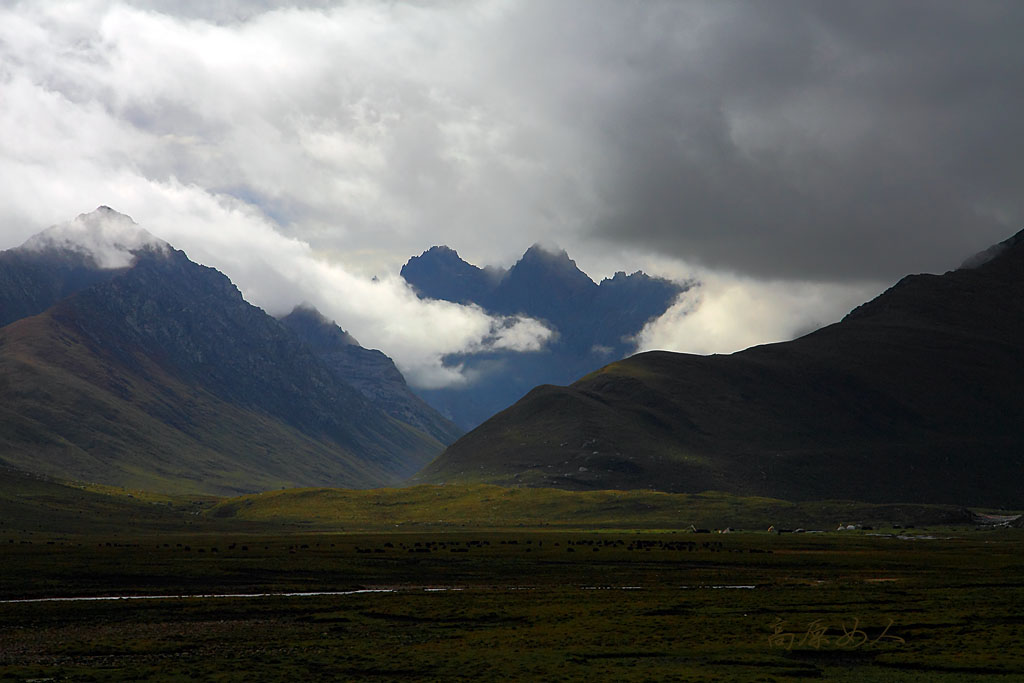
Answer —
(490, 507)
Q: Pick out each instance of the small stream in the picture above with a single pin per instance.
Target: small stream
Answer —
(308, 594)
(191, 596)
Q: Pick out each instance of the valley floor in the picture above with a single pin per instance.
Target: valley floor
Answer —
(933, 605)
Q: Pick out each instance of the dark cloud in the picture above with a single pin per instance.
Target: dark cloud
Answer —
(823, 140)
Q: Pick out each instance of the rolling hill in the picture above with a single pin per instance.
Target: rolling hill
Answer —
(914, 397)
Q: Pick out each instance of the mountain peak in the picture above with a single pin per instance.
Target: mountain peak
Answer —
(545, 267)
(440, 273)
(548, 255)
(443, 251)
(110, 238)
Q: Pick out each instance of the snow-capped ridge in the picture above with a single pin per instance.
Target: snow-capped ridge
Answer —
(110, 238)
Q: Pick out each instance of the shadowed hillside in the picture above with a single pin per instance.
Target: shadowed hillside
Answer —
(370, 371)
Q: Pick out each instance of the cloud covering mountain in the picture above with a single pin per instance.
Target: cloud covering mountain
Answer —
(108, 238)
(302, 148)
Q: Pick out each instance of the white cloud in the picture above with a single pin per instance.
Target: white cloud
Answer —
(727, 313)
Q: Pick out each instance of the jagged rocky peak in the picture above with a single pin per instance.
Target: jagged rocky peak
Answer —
(111, 239)
(546, 264)
(440, 273)
(643, 285)
(443, 252)
(550, 257)
(620, 276)
(441, 257)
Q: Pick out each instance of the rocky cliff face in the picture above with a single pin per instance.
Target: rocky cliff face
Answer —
(369, 371)
(31, 282)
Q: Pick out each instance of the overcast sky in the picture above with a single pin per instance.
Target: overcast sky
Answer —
(797, 157)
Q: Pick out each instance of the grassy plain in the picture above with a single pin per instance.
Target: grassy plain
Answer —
(654, 602)
(495, 507)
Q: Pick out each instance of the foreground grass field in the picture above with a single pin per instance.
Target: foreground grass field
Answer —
(483, 583)
(536, 605)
